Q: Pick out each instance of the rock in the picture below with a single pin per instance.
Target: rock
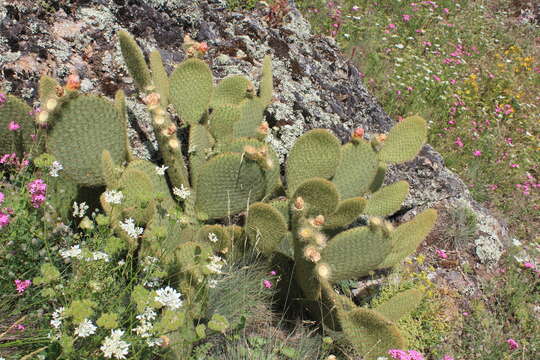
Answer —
(315, 85)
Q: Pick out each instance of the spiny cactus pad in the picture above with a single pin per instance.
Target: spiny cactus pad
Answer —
(138, 202)
(226, 185)
(404, 140)
(356, 170)
(47, 88)
(160, 77)
(400, 304)
(265, 227)
(408, 236)
(347, 211)
(387, 200)
(231, 90)
(266, 85)
(378, 180)
(320, 196)
(134, 60)
(315, 154)
(17, 111)
(251, 117)
(221, 121)
(191, 89)
(354, 253)
(370, 333)
(84, 127)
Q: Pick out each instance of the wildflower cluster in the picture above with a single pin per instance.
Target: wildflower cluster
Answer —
(38, 191)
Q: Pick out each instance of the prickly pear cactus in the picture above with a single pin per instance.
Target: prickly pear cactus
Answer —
(329, 186)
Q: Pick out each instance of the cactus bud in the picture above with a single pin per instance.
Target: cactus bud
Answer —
(312, 254)
(375, 223)
(59, 91)
(358, 134)
(323, 270)
(174, 144)
(318, 221)
(151, 99)
(305, 233)
(263, 128)
(165, 341)
(320, 239)
(387, 228)
(159, 120)
(299, 203)
(171, 129)
(203, 47)
(73, 82)
(42, 118)
(381, 138)
(263, 151)
(51, 104)
(251, 152)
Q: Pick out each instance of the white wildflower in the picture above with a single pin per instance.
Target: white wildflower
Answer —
(216, 263)
(213, 237)
(168, 297)
(143, 330)
(129, 227)
(212, 283)
(57, 317)
(74, 251)
(55, 168)
(122, 262)
(85, 328)
(79, 210)
(100, 255)
(181, 192)
(114, 346)
(160, 170)
(154, 342)
(400, 46)
(113, 196)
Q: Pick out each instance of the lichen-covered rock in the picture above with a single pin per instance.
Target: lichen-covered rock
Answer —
(315, 85)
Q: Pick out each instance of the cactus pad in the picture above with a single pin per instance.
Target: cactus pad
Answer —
(160, 77)
(370, 333)
(356, 170)
(354, 253)
(231, 90)
(346, 212)
(266, 85)
(265, 227)
(226, 185)
(320, 196)
(408, 236)
(221, 122)
(84, 127)
(387, 200)
(191, 89)
(400, 304)
(251, 117)
(404, 140)
(17, 111)
(315, 154)
(134, 60)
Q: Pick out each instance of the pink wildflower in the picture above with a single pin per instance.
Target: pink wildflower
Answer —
(477, 153)
(406, 17)
(22, 285)
(13, 126)
(273, 272)
(528, 265)
(267, 284)
(441, 253)
(4, 219)
(38, 190)
(398, 354)
(447, 357)
(20, 327)
(465, 313)
(512, 344)
(355, 8)
(392, 26)
(3, 98)
(446, 10)
(493, 187)
(2, 197)
(436, 78)
(513, 165)
(458, 142)
(415, 355)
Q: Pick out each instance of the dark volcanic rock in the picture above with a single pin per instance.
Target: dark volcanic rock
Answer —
(315, 85)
